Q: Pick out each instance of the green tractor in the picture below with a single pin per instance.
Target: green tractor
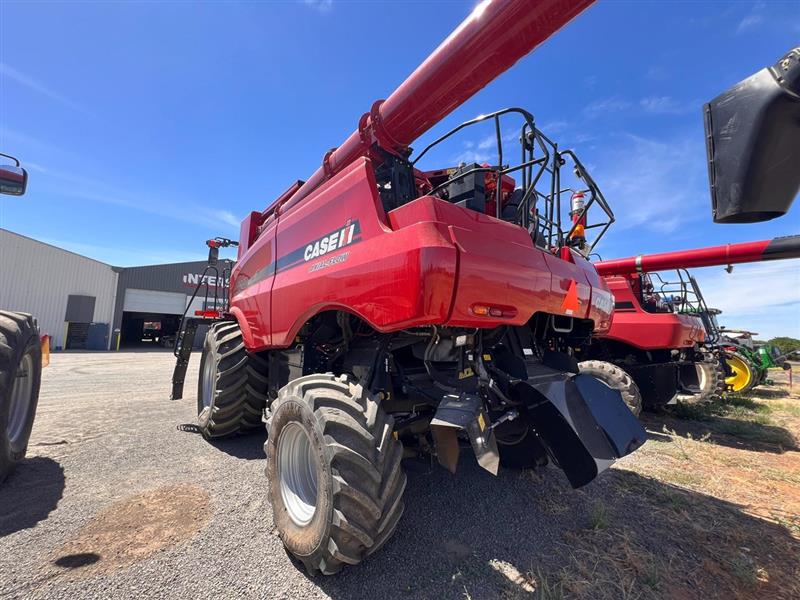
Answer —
(748, 362)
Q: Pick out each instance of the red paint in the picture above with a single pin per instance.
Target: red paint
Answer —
(424, 263)
(648, 330)
(729, 254)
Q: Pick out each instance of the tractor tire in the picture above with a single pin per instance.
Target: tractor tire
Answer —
(333, 464)
(711, 378)
(232, 388)
(744, 375)
(616, 378)
(20, 378)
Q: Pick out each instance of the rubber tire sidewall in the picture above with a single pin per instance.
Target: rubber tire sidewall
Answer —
(11, 454)
(209, 353)
(612, 378)
(302, 541)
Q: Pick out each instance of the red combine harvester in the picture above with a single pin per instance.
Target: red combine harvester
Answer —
(379, 310)
(660, 346)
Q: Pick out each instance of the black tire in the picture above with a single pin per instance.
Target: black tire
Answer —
(232, 387)
(20, 379)
(616, 378)
(359, 482)
(714, 378)
(711, 378)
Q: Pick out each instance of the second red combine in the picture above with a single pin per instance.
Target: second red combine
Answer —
(661, 345)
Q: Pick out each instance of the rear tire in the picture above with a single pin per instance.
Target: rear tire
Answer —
(615, 378)
(20, 379)
(232, 388)
(335, 479)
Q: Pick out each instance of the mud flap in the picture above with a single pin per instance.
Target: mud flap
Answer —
(464, 413)
(584, 424)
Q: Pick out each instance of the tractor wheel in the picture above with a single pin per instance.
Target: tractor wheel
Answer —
(615, 378)
(20, 377)
(335, 480)
(743, 374)
(232, 389)
(710, 379)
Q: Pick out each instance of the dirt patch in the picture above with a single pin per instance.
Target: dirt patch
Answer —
(135, 528)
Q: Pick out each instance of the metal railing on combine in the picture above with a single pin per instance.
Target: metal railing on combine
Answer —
(539, 156)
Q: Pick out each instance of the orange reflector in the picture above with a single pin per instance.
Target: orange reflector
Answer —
(570, 304)
(45, 339)
(480, 310)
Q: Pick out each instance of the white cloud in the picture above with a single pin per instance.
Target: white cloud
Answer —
(606, 105)
(666, 105)
(654, 185)
(74, 185)
(322, 6)
(554, 127)
(37, 86)
(749, 22)
(125, 257)
(226, 217)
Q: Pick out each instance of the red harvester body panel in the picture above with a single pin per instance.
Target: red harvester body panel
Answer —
(427, 262)
(635, 326)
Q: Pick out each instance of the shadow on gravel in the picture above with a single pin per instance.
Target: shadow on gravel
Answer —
(476, 536)
(247, 447)
(30, 494)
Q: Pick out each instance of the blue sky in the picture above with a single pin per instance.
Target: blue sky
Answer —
(149, 127)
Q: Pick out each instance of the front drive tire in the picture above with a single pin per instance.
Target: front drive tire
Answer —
(615, 378)
(232, 388)
(20, 378)
(335, 479)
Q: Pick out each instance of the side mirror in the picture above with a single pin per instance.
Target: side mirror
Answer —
(753, 144)
(13, 178)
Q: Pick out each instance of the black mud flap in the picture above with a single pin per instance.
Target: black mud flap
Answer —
(584, 424)
(753, 144)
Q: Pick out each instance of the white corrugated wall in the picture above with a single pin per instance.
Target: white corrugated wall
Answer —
(37, 278)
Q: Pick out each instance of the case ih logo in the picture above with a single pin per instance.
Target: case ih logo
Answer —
(192, 279)
(333, 241)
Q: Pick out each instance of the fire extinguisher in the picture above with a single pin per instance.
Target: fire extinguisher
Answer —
(578, 235)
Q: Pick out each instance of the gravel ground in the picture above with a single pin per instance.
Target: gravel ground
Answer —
(115, 500)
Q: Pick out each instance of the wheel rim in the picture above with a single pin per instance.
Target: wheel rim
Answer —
(20, 399)
(741, 373)
(297, 473)
(209, 380)
(702, 377)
